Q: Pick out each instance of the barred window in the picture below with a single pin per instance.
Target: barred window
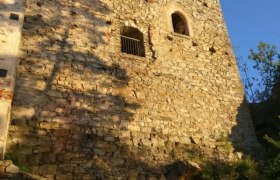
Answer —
(132, 41)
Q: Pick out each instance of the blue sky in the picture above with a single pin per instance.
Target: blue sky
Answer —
(252, 21)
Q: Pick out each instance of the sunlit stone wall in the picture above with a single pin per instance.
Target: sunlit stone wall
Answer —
(83, 110)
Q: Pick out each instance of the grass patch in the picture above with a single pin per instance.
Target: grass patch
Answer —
(18, 161)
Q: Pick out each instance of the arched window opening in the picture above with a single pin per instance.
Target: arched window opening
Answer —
(132, 41)
(180, 24)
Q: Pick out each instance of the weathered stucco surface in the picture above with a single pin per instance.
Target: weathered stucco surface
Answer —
(82, 109)
(11, 20)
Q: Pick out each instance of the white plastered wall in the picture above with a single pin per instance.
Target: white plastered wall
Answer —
(11, 22)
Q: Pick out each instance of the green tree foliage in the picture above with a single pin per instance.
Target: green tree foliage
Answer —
(259, 85)
(274, 143)
(262, 89)
(271, 167)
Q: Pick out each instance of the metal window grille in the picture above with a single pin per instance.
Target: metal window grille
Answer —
(131, 46)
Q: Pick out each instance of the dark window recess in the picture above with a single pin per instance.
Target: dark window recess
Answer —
(179, 24)
(3, 73)
(14, 16)
(132, 41)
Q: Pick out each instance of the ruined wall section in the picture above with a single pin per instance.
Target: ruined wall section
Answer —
(83, 109)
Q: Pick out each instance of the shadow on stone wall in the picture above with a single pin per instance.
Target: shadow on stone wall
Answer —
(243, 136)
(67, 118)
(72, 110)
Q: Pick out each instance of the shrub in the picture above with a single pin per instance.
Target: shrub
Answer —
(243, 170)
(246, 169)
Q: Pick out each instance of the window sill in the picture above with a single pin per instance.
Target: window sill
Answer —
(125, 55)
(180, 35)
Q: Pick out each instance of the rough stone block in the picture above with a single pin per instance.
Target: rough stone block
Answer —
(99, 151)
(117, 162)
(109, 139)
(23, 112)
(48, 114)
(185, 140)
(133, 128)
(12, 169)
(49, 125)
(55, 94)
(34, 160)
(79, 170)
(125, 134)
(62, 120)
(67, 168)
(61, 132)
(48, 169)
(49, 158)
(64, 176)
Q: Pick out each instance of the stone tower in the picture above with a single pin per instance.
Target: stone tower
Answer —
(122, 88)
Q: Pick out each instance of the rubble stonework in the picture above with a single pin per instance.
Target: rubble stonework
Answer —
(84, 110)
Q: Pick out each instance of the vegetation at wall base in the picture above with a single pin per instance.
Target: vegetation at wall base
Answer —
(18, 161)
(271, 166)
(242, 170)
(262, 90)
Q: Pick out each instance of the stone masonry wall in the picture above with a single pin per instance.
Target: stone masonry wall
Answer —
(84, 110)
